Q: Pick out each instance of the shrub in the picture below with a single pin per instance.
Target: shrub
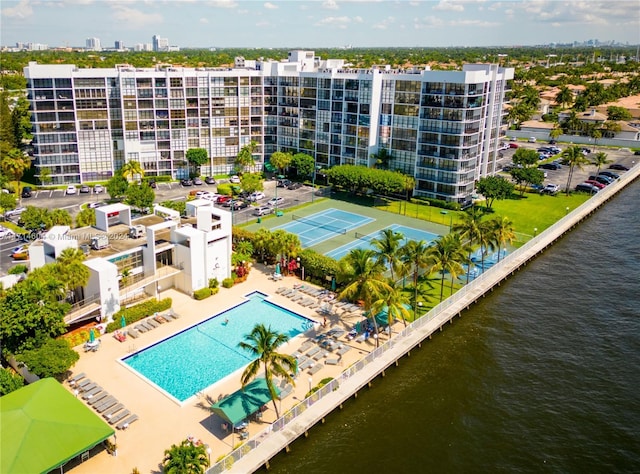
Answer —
(225, 189)
(137, 312)
(202, 293)
(9, 381)
(213, 283)
(214, 291)
(227, 282)
(52, 359)
(239, 234)
(318, 266)
(18, 269)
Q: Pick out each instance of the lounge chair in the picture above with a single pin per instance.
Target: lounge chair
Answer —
(112, 410)
(343, 351)
(332, 361)
(147, 326)
(319, 355)
(168, 316)
(140, 328)
(124, 424)
(314, 305)
(305, 346)
(118, 417)
(306, 302)
(152, 322)
(288, 291)
(338, 333)
(159, 319)
(133, 333)
(286, 391)
(96, 398)
(88, 386)
(105, 404)
(92, 393)
(77, 378)
(313, 351)
(281, 290)
(315, 369)
(306, 364)
(173, 314)
(297, 297)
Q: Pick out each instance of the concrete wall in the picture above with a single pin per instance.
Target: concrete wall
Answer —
(544, 136)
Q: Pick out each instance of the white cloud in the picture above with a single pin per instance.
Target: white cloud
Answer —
(21, 10)
(358, 19)
(262, 23)
(448, 5)
(223, 3)
(384, 24)
(132, 18)
(270, 6)
(330, 5)
(340, 22)
(427, 22)
(204, 21)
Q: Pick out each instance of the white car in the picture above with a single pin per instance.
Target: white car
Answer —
(256, 196)
(15, 212)
(71, 189)
(202, 194)
(210, 197)
(4, 232)
(98, 188)
(234, 179)
(275, 201)
(263, 211)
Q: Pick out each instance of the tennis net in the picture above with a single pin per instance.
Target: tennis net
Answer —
(337, 230)
(367, 237)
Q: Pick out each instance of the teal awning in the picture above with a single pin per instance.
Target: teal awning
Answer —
(269, 167)
(241, 404)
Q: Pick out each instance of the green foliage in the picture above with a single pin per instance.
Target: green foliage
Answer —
(618, 113)
(38, 218)
(51, 359)
(237, 258)
(213, 283)
(245, 157)
(117, 186)
(280, 160)
(185, 458)
(9, 381)
(137, 312)
(180, 206)
(227, 282)
(197, 156)
(251, 182)
(140, 196)
(318, 266)
(7, 202)
(86, 217)
(494, 187)
(225, 189)
(18, 269)
(525, 177)
(525, 157)
(239, 234)
(202, 293)
(453, 206)
(303, 164)
(361, 179)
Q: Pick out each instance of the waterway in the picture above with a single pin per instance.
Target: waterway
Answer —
(543, 375)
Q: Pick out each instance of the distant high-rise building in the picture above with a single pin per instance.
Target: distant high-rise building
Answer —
(119, 45)
(93, 44)
(160, 44)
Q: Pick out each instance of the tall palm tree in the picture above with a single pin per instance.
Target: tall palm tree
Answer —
(387, 247)
(414, 256)
(73, 273)
(395, 302)
(130, 169)
(574, 157)
(503, 232)
(244, 159)
(446, 256)
(601, 158)
(469, 228)
(263, 343)
(486, 240)
(362, 274)
(13, 165)
(185, 458)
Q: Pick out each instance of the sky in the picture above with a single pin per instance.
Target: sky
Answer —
(321, 23)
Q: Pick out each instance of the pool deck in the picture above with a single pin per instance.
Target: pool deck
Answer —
(163, 422)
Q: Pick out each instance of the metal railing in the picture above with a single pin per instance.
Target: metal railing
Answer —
(412, 334)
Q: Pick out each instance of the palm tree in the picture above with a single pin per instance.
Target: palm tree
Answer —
(73, 273)
(395, 302)
(131, 169)
(573, 156)
(262, 342)
(186, 458)
(469, 228)
(446, 256)
(382, 158)
(13, 165)
(387, 247)
(362, 274)
(564, 97)
(600, 159)
(503, 232)
(245, 157)
(486, 240)
(414, 256)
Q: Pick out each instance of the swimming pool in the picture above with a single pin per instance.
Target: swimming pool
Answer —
(192, 360)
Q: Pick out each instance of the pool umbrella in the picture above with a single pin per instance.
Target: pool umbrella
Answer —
(92, 336)
(123, 321)
(277, 269)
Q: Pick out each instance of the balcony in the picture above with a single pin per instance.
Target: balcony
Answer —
(83, 309)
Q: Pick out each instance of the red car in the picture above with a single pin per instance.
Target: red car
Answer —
(223, 199)
(596, 183)
(513, 145)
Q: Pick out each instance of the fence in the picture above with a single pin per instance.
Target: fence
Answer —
(420, 329)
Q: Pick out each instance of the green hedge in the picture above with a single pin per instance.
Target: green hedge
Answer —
(202, 293)
(227, 282)
(225, 189)
(318, 266)
(137, 312)
(452, 206)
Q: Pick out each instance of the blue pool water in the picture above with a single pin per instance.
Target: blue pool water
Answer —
(196, 358)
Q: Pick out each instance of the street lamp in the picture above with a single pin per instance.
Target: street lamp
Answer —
(310, 383)
(567, 211)
(535, 231)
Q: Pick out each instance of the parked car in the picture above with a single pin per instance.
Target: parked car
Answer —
(20, 253)
(238, 204)
(637, 152)
(223, 199)
(610, 174)
(586, 151)
(201, 194)
(552, 142)
(71, 189)
(234, 179)
(550, 166)
(15, 212)
(532, 140)
(256, 196)
(275, 201)
(213, 197)
(98, 188)
(186, 182)
(602, 179)
(152, 184)
(84, 189)
(197, 181)
(595, 183)
(26, 192)
(93, 205)
(513, 145)
(209, 180)
(283, 183)
(550, 189)
(263, 210)
(587, 188)
(618, 166)
(295, 185)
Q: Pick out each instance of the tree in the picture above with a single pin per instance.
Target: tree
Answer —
(185, 458)
(280, 160)
(615, 113)
(601, 158)
(395, 302)
(446, 255)
(45, 175)
(21, 119)
(525, 157)
(59, 217)
(13, 164)
(86, 217)
(555, 132)
(494, 187)
(468, 227)
(140, 196)
(382, 158)
(9, 381)
(245, 158)
(610, 129)
(263, 343)
(303, 163)
(52, 359)
(252, 182)
(132, 170)
(117, 186)
(7, 132)
(503, 232)
(7, 202)
(414, 256)
(387, 247)
(73, 273)
(362, 274)
(574, 157)
(564, 97)
(197, 157)
(525, 177)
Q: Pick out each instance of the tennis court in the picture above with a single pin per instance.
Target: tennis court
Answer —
(364, 241)
(323, 225)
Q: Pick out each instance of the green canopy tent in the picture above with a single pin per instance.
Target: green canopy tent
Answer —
(269, 167)
(382, 318)
(240, 405)
(44, 426)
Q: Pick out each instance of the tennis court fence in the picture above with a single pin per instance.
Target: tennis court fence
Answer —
(337, 230)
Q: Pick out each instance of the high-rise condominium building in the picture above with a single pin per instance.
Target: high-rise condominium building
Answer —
(160, 44)
(93, 44)
(442, 127)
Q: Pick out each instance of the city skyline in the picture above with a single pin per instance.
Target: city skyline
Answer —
(323, 23)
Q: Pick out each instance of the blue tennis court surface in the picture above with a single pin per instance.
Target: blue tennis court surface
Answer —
(364, 241)
(323, 225)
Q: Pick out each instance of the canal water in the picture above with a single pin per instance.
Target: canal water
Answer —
(543, 375)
